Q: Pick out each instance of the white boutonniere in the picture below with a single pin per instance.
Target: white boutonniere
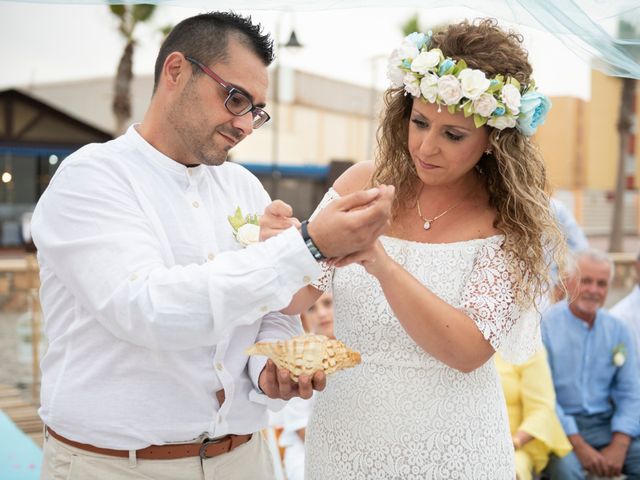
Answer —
(246, 229)
(619, 355)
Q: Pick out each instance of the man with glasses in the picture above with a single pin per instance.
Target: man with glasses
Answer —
(149, 299)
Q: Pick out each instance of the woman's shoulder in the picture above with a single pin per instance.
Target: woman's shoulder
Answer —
(355, 178)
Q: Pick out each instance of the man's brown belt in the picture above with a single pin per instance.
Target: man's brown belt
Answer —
(206, 449)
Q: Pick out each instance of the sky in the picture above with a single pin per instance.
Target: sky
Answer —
(44, 43)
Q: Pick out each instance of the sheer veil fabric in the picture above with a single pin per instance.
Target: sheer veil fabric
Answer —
(590, 28)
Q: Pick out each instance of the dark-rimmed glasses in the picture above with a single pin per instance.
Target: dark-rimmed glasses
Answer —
(237, 102)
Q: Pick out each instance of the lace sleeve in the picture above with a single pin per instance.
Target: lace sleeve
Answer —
(489, 299)
(324, 280)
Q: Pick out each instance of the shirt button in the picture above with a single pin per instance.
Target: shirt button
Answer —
(211, 256)
(133, 277)
(195, 204)
(218, 366)
(306, 279)
(264, 308)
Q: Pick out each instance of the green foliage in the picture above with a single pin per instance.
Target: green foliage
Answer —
(467, 109)
(237, 220)
(118, 10)
(142, 12)
(630, 31)
(479, 120)
(411, 25)
(164, 31)
(460, 65)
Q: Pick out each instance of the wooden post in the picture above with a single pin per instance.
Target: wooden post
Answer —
(33, 305)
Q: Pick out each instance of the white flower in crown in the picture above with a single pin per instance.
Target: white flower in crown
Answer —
(449, 89)
(502, 122)
(427, 61)
(429, 87)
(394, 72)
(408, 50)
(498, 101)
(412, 84)
(474, 83)
(485, 104)
(511, 98)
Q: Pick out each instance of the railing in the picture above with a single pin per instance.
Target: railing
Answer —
(20, 284)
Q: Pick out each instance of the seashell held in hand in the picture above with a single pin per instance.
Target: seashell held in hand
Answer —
(307, 354)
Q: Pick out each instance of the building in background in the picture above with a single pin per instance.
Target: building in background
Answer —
(322, 127)
(34, 138)
(580, 145)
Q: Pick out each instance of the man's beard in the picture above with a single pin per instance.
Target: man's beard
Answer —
(193, 135)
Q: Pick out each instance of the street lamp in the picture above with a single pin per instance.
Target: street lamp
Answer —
(275, 124)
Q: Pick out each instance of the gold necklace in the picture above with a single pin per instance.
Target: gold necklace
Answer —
(429, 221)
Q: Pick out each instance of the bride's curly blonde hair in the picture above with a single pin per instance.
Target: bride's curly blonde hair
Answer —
(514, 171)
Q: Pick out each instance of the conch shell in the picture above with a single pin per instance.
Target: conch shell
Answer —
(307, 354)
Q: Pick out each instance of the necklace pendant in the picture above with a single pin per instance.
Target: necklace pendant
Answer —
(427, 225)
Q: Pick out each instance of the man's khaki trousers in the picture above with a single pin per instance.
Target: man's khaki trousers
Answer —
(251, 461)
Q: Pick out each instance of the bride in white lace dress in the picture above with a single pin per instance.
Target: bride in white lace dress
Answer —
(450, 281)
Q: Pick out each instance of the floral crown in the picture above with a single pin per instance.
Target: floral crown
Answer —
(498, 102)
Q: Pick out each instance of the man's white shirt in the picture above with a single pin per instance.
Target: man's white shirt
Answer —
(149, 302)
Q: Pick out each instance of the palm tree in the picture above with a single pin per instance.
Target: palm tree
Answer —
(624, 126)
(129, 17)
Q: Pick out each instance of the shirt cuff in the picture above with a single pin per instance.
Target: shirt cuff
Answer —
(628, 426)
(255, 366)
(273, 404)
(569, 425)
(297, 265)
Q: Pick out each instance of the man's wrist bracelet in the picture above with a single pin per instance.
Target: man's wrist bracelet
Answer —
(313, 248)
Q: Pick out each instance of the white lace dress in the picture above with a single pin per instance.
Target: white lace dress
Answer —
(402, 414)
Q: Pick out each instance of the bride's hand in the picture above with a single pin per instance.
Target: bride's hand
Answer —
(374, 259)
(278, 216)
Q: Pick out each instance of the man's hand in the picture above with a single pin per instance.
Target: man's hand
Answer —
(278, 216)
(276, 383)
(352, 223)
(615, 453)
(591, 459)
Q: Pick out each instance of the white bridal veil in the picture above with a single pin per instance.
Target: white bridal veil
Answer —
(604, 32)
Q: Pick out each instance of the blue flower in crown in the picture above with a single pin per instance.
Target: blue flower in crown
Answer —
(418, 39)
(500, 102)
(445, 66)
(533, 111)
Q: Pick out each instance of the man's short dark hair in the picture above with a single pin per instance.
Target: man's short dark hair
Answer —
(205, 37)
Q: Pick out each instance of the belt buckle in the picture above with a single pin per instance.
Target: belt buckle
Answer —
(212, 441)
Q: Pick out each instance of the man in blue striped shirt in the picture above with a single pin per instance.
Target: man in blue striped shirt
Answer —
(593, 362)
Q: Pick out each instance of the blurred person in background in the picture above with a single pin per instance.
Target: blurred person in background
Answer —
(592, 357)
(531, 399)
(318, 319)
(628, 309)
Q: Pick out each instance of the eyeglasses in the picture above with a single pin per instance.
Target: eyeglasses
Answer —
(237, 102)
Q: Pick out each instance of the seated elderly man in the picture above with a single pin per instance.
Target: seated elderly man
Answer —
(592, 357)
(628, 309)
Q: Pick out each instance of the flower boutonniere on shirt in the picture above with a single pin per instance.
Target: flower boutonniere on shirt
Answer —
(246, 228)
(619, 355)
